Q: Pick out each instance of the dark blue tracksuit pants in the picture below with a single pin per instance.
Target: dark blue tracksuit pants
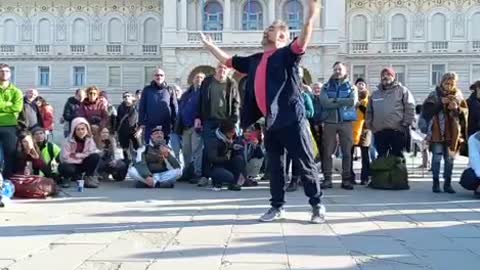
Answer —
(297, 141)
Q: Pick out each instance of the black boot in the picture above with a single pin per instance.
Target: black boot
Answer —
(447, 186)
(436, 186)
(326, 184)
(347, 184)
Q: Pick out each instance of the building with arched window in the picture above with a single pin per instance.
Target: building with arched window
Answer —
(64, 45)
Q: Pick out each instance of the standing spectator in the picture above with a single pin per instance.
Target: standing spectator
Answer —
(71, 108)
(191, 139)
(155, 165)
(474, 109)
(30, 115)
(47, 113)
(391, 112)
(445, 110)
(175, 138)
(112, 112)
(127, 125)
(339, 98)
(362, 137)
(94, 110)
(470, 179)
(219, 101)
(225, 157)
(319, 115)
(79, 155)
(158, 106)
(11, 105)
(273, 91)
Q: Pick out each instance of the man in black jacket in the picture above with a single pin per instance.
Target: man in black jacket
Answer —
(70, 110)
(225, 161)
(30, 116)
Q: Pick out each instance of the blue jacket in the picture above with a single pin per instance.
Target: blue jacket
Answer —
(158, 106)
(187, 109)
(336, 98)
(284, 99)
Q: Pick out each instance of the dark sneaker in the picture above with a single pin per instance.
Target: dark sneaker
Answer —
(64, 183)
(436, 187)
(318, 214)
(347, 185)
(250, 183)
(293, 186)
(234, 187)
(91, 182)
(202, 182)
(448, 189)
(164, 185)
(326, 184)
(272, 214)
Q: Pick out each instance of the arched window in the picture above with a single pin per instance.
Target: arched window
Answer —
(44, 31)
(293, 14)
(213, 16)
(252, 18)
(399, 27)
(476, 27)
(115, 31)
(359, 28)
(79, 31)
(439, 27)
(150, 31)
(10, 32)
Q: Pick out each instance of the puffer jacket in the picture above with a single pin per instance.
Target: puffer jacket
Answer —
(70, 145)
(391, 108)
(336, 97)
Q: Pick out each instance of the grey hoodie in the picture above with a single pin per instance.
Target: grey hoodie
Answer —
(391, 108)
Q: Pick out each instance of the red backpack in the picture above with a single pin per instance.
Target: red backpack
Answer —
(33, 186)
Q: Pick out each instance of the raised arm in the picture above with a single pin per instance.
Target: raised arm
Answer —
(306, 35)
(221, 55)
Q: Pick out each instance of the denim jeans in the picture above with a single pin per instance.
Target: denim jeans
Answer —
(176, 144)
(439, 151)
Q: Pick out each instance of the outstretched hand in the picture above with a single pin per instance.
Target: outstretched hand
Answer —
(206, 39)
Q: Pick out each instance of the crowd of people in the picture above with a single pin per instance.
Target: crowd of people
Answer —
(219, 133)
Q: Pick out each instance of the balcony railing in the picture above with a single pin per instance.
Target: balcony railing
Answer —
(77, 49)
(42, 49)
(439, 46)
(114, 49)
(359, 47)
(7, 49)
(476, 46)
(150, 49)
(399, 47)
(194, 37)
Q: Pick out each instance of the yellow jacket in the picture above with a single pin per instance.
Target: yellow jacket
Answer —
(359, 124)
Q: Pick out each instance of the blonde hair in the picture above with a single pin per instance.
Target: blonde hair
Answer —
(449, 76)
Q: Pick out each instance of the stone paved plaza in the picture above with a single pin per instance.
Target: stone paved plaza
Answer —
(118, 227)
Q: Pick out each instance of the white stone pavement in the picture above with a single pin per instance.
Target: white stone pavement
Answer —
(122, 228)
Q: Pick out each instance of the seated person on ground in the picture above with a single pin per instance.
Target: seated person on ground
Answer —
(28, 151)
(470, 179)
(155, 165)
(79, 155)
(111, 161)
(49, 152)
(225, 158)
(254, 153)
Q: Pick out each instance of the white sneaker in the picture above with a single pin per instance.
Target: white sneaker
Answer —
(318, 214)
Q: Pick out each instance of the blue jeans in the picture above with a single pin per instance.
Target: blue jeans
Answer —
(176, 144)
(439, 151)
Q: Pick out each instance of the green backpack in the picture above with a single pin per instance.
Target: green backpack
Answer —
(389, 173)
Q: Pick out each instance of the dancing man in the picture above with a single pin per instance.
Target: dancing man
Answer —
(273, 91)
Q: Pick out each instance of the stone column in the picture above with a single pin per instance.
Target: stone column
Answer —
(227, 18)
(183, 17)
(271, 11)
(170, 15)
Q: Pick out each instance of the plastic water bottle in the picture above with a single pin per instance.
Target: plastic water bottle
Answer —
(28, 168)
(81, 184)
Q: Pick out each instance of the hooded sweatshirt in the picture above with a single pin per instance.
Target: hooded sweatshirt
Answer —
(70, 146)
(11, 104)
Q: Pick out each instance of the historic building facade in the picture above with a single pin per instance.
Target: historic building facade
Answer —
(421, 39)
(58, 46)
